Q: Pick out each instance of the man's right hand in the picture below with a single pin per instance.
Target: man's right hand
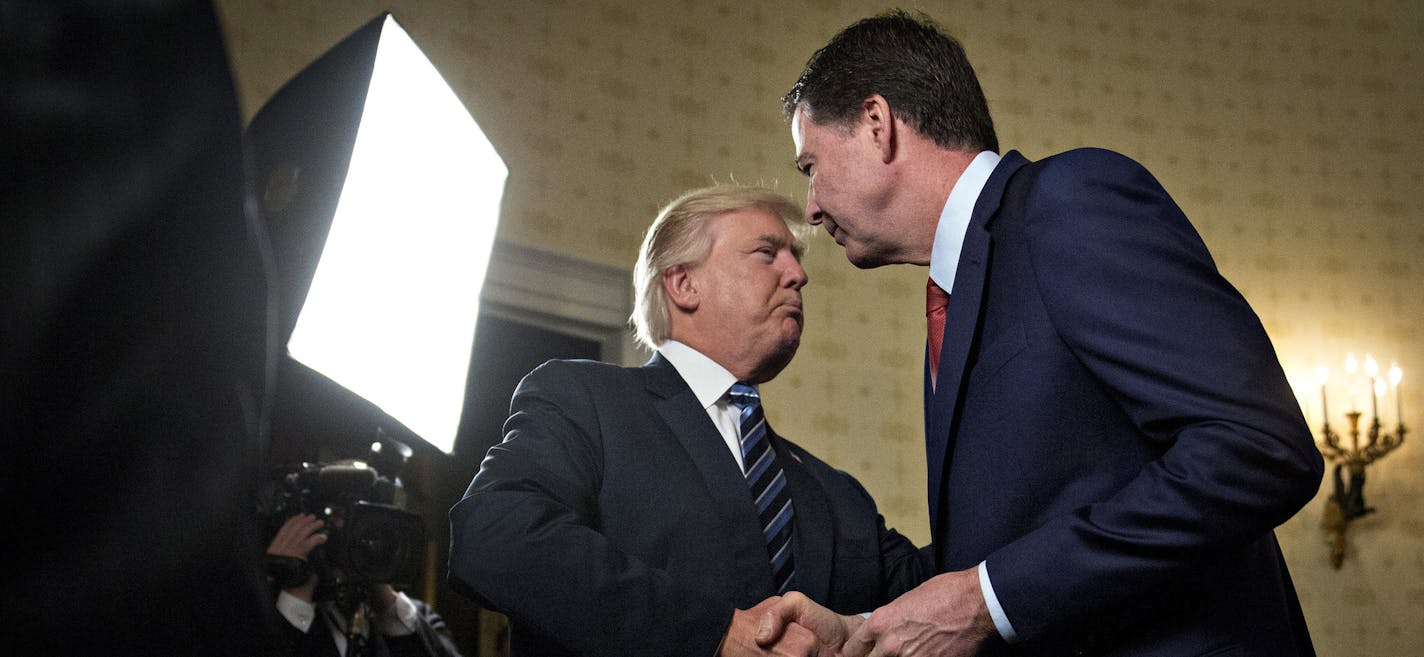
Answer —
(796, 613)
(742, 636)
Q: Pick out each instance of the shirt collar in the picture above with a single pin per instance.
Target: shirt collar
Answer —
(708, 380)
(954, 219)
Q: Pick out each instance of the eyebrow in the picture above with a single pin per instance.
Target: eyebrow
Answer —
(797, 248)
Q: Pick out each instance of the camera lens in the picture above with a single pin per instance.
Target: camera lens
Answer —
(381, 544)
(376, 553)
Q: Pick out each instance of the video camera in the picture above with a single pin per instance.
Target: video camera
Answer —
(370, 540)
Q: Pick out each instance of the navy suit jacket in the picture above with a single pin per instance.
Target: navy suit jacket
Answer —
(1112, 431)
(613, 520)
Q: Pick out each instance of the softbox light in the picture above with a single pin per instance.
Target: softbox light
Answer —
(382, 197)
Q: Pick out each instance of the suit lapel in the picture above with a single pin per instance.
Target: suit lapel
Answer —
(688, 422)
(962, 319)
(814, 533)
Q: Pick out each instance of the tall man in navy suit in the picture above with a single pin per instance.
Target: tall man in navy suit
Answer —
(1110, 438)
(651, 510)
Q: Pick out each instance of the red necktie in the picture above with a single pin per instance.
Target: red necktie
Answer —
(936, 300)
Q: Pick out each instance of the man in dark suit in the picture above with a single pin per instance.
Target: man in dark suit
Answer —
(1110, 438)
(651, 510)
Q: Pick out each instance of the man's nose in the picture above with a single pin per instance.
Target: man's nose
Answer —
(796, 277)
(814, 214)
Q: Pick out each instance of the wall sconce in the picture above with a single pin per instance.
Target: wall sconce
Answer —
(1347, 501)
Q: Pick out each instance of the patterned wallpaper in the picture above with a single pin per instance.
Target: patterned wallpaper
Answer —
(1289, 131)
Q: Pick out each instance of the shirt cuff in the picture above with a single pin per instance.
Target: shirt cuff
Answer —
(297, 611)
(400, 619)
(1001, 620)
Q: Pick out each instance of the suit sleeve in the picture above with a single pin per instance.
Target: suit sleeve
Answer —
(902, 565)
(525, 538)
(1132, 291)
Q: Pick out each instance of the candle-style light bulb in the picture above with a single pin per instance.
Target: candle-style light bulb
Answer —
(1322, 374)
(1350, 363)
(1379, 390)
(1376, 386)
(1395, 375)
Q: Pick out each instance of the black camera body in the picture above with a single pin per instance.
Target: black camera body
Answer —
(369, 539)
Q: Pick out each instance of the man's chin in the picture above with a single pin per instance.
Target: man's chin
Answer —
(863, 260)
(778, 360)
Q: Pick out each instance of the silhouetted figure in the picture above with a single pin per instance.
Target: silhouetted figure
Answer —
(134, 335)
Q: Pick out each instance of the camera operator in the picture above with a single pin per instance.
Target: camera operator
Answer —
(401, 626)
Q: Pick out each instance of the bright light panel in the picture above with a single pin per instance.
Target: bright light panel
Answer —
(391, 310)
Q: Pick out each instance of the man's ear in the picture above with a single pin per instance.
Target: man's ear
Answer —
(878, 120)
(681, 289)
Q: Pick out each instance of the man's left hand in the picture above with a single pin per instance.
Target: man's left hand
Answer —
(944, 617)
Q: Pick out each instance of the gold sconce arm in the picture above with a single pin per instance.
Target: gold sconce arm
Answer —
(1347, 501)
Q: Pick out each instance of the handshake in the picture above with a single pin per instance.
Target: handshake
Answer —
(944, 616)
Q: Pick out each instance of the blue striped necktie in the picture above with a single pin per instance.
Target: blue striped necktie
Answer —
(768, 485)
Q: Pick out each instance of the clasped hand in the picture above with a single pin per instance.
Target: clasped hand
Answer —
(945, 616)
(752, 631)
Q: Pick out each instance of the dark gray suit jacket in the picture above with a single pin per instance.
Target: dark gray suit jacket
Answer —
(612, 520)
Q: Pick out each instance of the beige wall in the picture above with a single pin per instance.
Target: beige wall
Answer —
(1290, 132)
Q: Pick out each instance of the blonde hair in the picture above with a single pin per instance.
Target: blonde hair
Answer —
(678, 237)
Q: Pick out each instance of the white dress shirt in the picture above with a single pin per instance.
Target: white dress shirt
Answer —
(399, 620)
(710, 383)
